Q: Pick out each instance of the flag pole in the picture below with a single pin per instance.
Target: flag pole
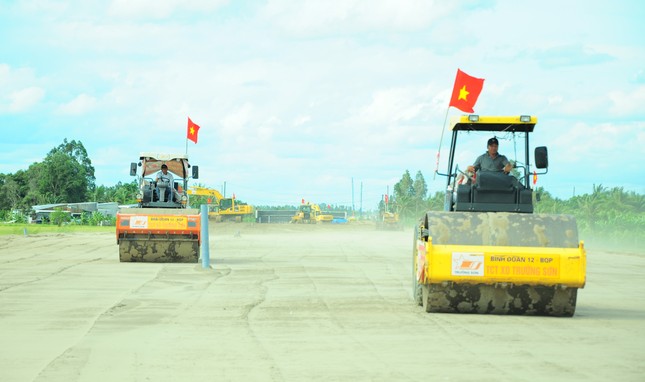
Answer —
(440, 141)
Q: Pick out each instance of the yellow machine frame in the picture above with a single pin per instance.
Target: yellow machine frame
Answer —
(234, 212)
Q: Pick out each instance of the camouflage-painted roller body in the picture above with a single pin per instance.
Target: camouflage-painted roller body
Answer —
(501, 229)
(492, 299)
(490, 229)
(158, 249)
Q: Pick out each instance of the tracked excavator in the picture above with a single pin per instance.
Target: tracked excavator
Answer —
(320, 216)
(161, 229)
(487, 252)
(224, 209)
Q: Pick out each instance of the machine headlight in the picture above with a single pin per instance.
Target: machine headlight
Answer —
(473, 118)
(525, 118)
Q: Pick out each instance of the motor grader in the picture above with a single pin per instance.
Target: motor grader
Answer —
(487, 252)
(160, 229)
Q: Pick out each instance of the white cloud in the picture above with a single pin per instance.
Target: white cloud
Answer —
(320, 16)
(152, 9)
(237, 120)
(79, 105)
(19, 89)
(24, 99)
(390, 106)
(301, 120)
(585, 146)
(626, 103)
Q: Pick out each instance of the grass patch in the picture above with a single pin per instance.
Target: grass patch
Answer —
(35, 229)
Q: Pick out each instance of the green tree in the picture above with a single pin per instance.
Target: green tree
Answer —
(59, 217)
(62, 179)
(404, 195)
(76, 150)
(420, 193)
(96, 218)
(435, 203)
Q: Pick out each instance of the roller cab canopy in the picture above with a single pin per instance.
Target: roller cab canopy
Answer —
(473, 122)
(177, 163)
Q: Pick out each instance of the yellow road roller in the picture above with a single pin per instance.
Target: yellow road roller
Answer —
(487, 252)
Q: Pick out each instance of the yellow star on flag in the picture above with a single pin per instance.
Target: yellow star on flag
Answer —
(463, 93)
(192, 131)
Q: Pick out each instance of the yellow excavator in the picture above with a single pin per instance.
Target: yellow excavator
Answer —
(487, 252)
(320, 216)
(311, 214)
(224, 209)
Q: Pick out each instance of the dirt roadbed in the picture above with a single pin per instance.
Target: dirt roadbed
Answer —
(292, 303)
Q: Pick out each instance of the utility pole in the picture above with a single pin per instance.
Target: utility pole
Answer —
(360, 212)
(353, 196)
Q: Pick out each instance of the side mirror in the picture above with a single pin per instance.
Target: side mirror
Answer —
(541, 157)
(195, 172)
(133, 169)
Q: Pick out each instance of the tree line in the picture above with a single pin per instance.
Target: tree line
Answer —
(613, 214)
(65, 175)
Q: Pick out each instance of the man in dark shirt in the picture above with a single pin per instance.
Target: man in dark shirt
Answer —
(166, 182)
(491, 160)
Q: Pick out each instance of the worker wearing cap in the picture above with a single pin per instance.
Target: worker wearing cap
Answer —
(164, 176)
(491, 160)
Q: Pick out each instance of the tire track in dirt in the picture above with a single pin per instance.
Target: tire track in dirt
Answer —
(276, 373)
(76, 354)
(70, 354)
(366, 365)
(52, 249)
(57, 272)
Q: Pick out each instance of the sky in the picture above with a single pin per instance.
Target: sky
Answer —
(327, 101)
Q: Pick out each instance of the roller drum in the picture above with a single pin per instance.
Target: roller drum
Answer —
(158, 249)
(501, 229)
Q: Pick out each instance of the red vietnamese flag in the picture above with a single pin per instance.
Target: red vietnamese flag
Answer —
(466, 92)
(193, 129)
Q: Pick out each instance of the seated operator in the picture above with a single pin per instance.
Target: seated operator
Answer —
(491, 160)
(165, 178)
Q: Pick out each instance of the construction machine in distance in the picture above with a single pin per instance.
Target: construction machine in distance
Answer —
(487, 252)
(388, 220)
(319, 216)
(160, 230)
(304, 215)
(311, 214)
(224, 209)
